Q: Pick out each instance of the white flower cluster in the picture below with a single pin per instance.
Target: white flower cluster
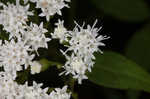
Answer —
(25, 38)
(60, 32)
(9, 89)
(60, 93)
(13, 55)
(14, 18)
(50, 7)
(18, 53)
(83, 42)
(35, 36)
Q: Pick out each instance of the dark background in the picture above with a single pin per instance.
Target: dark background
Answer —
(120, 30)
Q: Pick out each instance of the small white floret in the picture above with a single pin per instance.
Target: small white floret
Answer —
(35, 67)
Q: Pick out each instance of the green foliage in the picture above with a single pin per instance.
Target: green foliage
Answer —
(138, 48)
(127, 10)
(115, 71)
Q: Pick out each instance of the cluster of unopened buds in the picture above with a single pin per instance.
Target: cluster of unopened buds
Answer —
(18, 52)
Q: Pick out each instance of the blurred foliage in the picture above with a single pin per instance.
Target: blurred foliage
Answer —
(115, 71)
(138, 48)
(128, 10)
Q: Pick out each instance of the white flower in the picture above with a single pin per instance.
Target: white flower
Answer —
(76, 66)
(14, 18)
(50, 7)
(83, 43)
(7, 86)
(60, 93)
(86, 41)
(60, 32)
(35, 67)
(9, 89)
(35, 36)
(13, 55)
(35, 92)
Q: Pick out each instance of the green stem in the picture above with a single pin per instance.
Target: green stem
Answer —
(46, 64)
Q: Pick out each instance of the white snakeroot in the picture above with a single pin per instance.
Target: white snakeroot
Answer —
(35, 92)
(50, 7)
(9, 89)
(14, 55)
(76, 66)
(86, 41)
(60, 93)
(17, 53)
(83, 43)
(35, 36)
(35, 67)
(60, 32)
(14, 18)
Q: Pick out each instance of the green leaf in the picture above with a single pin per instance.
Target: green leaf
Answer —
(138, 48)
(115, 71)
(127, 10)
(46, 64)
